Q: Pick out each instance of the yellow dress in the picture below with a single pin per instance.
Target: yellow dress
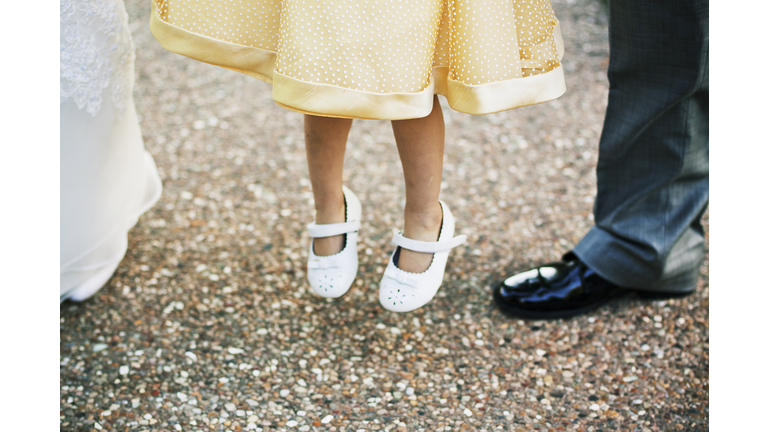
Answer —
(376, 59)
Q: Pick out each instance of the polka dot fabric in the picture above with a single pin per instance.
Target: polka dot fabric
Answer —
(349, 51)
(352, 44)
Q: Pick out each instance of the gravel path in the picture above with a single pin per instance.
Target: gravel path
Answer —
(209, 324)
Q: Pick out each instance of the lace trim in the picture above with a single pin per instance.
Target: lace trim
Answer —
(97, 53)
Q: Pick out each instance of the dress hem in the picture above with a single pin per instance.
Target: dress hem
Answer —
(333, 101)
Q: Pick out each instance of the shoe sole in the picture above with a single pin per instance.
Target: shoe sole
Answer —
(562, 314)
(568, 313)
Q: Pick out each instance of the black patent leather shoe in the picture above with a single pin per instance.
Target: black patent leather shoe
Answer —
(560, 290)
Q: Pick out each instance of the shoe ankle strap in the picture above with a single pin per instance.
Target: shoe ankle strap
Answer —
(427, 247)
(329, 230)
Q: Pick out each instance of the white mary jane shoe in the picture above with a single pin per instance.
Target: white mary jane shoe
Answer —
(401, 291)
(331, 276)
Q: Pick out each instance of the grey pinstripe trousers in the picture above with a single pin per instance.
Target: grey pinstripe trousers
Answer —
(653, 165)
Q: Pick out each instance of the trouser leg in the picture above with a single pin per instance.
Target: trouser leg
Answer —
(653, 165)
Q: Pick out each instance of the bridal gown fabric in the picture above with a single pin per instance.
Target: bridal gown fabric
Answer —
(108, 179)
(376, 59)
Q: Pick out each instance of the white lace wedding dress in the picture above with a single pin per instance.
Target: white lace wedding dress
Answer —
(108, 179)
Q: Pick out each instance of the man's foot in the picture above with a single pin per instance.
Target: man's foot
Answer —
(561, 290)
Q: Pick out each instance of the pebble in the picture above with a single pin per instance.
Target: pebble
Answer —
(99, 347)
(124, 369)
(327, 419)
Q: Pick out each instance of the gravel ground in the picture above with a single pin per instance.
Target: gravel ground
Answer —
(209, 324)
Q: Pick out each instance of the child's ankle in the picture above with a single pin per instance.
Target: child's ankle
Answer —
(329, 213)
(423, 223)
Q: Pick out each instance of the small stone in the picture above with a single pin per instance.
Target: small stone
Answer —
(594, 407)
(292, 423)
(395, 330)
(230, 406)
(327, 419)
(284, 393)
(99, 347)
(233, 350)
(628, 379)
(467, 412)
(124, 369)
(540, 352)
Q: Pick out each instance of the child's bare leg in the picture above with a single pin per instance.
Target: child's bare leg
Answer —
(420, 143)
(326, 140)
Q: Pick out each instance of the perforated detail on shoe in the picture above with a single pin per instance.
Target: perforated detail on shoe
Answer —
(325, 283)
(396, 296)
